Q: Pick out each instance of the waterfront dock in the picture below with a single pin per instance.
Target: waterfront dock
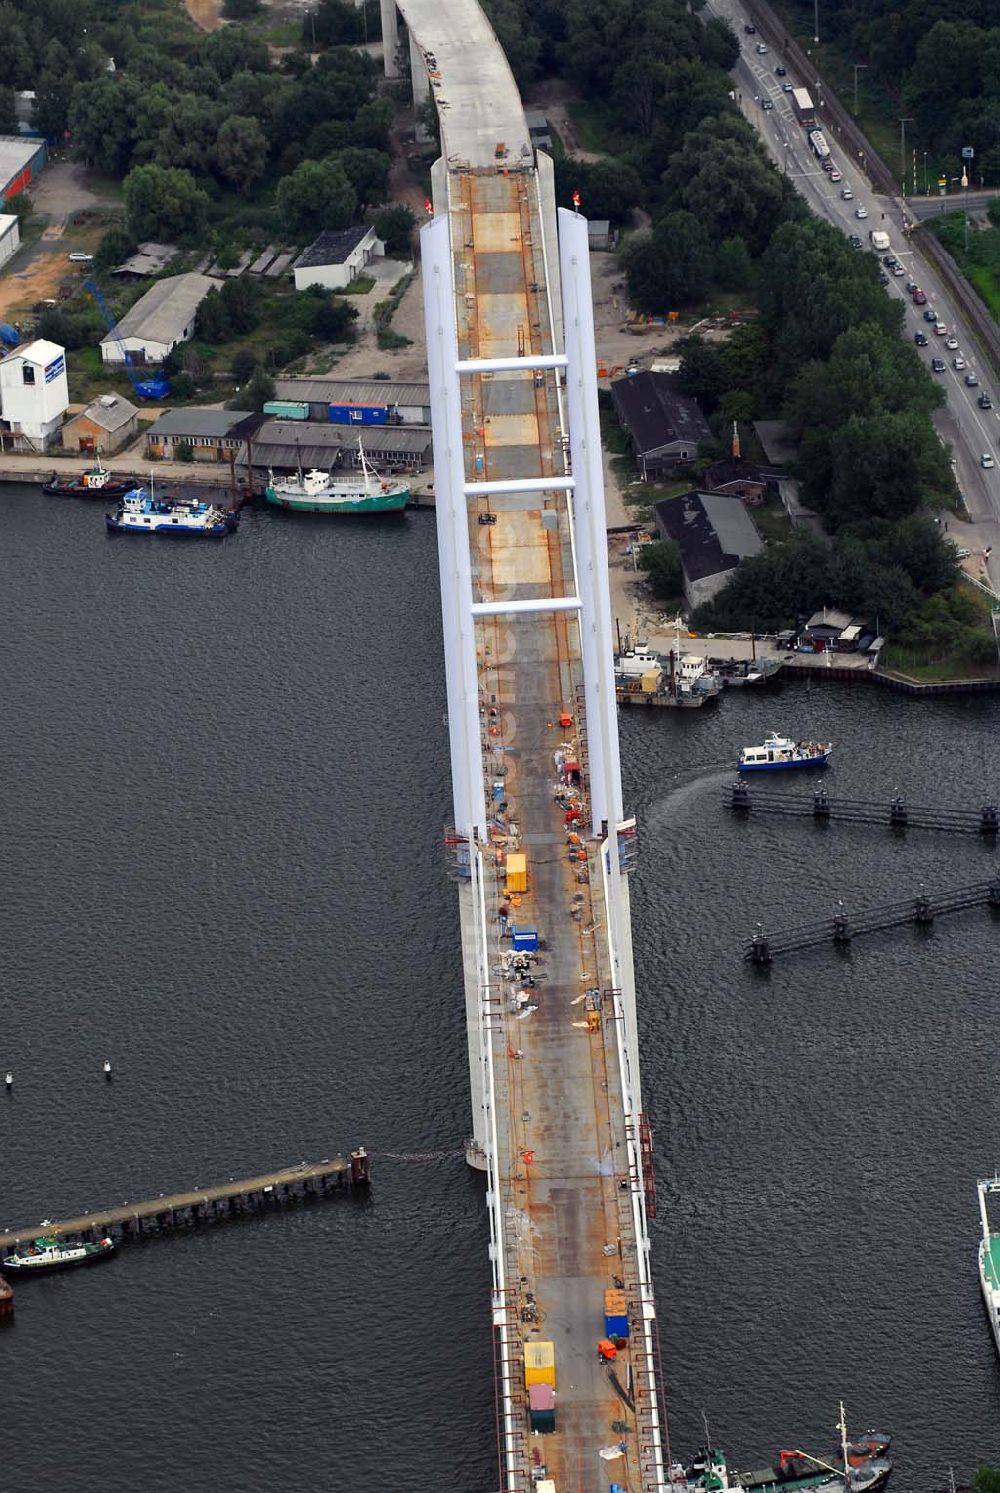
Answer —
(202, 1204)
(895, 813)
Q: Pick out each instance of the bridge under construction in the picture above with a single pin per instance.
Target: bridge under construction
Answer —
(539, 846)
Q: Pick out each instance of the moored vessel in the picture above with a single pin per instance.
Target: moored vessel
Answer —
(779, 752)
(989, 1258)
(95, 482)
(140, 512)
(47, 1253)
(317, 491)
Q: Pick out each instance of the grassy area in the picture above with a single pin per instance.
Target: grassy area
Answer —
(595, 126)
(927, 670)
(771, 520)
(361, 286)
(980, 264)
(280, 33)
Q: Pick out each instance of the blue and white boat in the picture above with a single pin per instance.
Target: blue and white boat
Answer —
(140, 512)
(779, 752)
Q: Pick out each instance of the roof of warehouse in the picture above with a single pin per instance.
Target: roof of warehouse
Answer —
(712, 531)
(333, 246)
(15, 153)
(109, 411)
(164, 311)
(351, 391)
(311, 436)
(199, 422)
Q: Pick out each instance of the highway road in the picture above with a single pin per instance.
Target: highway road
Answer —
(968, 430)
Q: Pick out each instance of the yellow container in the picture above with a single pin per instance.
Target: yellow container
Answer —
(614, 1304)
(517, 873)
(650, 680)
(539, 1364)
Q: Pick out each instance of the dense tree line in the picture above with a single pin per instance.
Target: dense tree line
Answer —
(941, 61)
(828, 357)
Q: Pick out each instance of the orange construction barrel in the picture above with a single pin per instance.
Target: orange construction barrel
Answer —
(565, 719)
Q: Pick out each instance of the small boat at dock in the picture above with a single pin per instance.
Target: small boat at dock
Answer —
(141, 513)
(95, 482)
(779, 752)
(47, 1253)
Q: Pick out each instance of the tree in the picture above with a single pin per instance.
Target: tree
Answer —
(733, 266)
(54, 92)
(394, 226)
(662, 563)
(234, 50)
(240, 10)
(117, 244)
(102, 123)
(317, 195)
(244, 364)
(333, 23)
(885, 465)
(719, 44)
(368, 173)
(241, 151)
(322, 314)
(8, 112)
(608, 189)
(164, 203)
(258, 391)
(188, 137)
(672, 267)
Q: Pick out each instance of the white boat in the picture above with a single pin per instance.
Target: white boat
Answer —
(638, 661)
(782, 752)
(141, 513)
(989, 1259)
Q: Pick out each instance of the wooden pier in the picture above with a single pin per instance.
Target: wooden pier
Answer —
(895, 813)
(842, 927)
(204, 1204)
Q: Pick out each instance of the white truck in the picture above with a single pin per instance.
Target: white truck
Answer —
(879, 240)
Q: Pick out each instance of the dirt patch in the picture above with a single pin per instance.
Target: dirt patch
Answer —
(40, 278)
(206, 14)
(553, 97)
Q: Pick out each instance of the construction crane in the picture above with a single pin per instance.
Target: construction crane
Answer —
(157, 387)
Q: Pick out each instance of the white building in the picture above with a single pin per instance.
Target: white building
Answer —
(158, 321)
(337, 258)
(10, 236)
(33, 394)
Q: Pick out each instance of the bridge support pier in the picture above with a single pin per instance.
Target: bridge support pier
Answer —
(390, 37)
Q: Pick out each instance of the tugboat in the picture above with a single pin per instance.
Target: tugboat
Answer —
(47, 1253)
(141, 513)
(781, 751)
(93, 483)
(321, 492)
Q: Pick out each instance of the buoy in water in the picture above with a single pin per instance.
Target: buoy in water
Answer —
(107, 1069)
(8, 1079)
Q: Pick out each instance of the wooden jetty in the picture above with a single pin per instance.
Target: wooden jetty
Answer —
(895, 813)
(841, 928)
(202, 1204)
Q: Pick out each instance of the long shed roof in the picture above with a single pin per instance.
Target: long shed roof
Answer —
(163, 313)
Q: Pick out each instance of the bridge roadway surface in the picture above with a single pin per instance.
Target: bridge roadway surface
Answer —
(567, 1232)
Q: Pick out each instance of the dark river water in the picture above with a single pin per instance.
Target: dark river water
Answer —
(225, 777)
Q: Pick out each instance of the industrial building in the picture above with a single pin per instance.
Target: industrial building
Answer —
(106, 425)
(285, 445)
(21, 159)
(337, 257)
(34, 396)
(158, 321)
(665, 426)
(212, 434)
(10, 236)
(713, 533)
(367, 401)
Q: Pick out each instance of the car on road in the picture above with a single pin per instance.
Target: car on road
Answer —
(835, 175)
(761, 48)
(854, 241)
(847, 194)
(861, 211)
(971, 381)
(897, 270)
(780, 72)
(81, 259)
(984, 401)
(940, 330)
(883, 278)
(750, 29)
(958, 364)
(889, 260)
(787, 87)
(920, 338)
(986, 460)
(919, 297)
(826, 165)
(951, 344)
(767, 103)
(938, 365)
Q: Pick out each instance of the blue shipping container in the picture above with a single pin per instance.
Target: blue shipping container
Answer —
(358, 414)
(616, 1326)
(524, 940)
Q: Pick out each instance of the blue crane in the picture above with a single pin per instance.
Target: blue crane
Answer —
(157, 387)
